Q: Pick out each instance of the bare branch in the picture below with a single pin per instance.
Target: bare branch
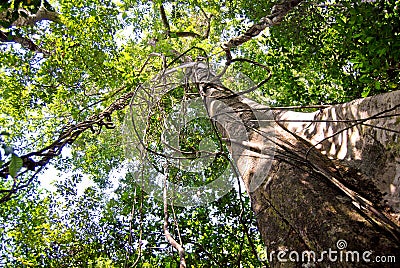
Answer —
(23, 41)
(167, 234)
(27, 19)
(164, 19)
(185, 34)
(173, 34)
(278, 12)
(207, 33)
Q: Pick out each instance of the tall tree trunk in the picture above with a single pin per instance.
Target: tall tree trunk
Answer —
(334, 177)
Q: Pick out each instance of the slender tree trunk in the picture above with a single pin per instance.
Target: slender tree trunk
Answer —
(333, 177)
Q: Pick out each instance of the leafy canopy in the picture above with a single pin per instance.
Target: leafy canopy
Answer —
(58, 72)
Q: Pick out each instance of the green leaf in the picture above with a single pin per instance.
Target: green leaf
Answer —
(369, 39)
(15, 165)
(365, 92)
(392, 85)
(377, 85)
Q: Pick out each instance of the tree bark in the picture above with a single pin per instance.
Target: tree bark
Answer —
(25, 18)
(334, 176)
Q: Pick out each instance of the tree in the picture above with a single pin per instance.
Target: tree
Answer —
(325, 178)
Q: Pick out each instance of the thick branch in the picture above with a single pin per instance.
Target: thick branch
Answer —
(23, 41)
(27, 19)
(68, 136)
(278, 12)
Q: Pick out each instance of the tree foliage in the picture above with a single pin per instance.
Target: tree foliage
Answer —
(63, 67)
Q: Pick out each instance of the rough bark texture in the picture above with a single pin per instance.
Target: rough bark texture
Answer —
(347, 187)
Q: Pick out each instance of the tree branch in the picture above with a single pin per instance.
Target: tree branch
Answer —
(164, 19)
(23, 41)
(278, 12)
(25, 18)
(172, 34)
(208, 22)
(185, 34)
(167, 234)
(67, 136)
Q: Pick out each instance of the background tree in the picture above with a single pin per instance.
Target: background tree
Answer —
(68, 70)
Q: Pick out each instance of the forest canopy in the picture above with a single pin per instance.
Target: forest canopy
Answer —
(68, 71)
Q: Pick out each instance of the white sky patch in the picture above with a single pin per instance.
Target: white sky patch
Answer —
(115, 175)
(52, 175)
(124, 35)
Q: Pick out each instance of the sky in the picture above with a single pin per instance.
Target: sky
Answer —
(52, 175)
